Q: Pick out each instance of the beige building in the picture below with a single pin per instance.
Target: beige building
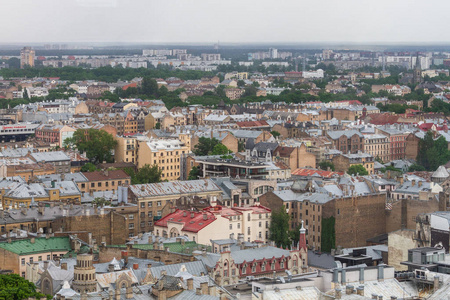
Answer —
(377, 145)
(216, 223)
(164, 153)
(27, 55)
(344, 161)
(14, 255)
(125, 149)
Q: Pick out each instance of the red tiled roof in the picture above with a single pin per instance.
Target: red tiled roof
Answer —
(252, 123)
(382, 119)
(129, 86)
(351, 102)
(192, 221)
(110, 175)
(310, 172)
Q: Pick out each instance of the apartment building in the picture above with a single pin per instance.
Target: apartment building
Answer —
(377, 145)
(164, 153)
(151, 198)
(347, 140)
(216, 222)
(344, 161)
(107, 180)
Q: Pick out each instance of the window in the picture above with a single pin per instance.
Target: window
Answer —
(142, 215)
(159, 213)
(39, 258)
(231, 226)
(99, 184)
(254, 268)
(150, 214)
(142, 224)
(23, 274)
(23, 262)
(131, 226)
(93, 184)
(131, 217)
(48, 257)
(149, 204)
(31, 260)
(158, 203)
(239, 225)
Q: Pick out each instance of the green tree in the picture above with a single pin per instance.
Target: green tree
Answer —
(98, 144)
(14, 287)
(146, 174)
(158, 125)
(328, 234)
(163, 91)
(241, 146)
(325, 164)
(205, 146)
(275, 133)
(220, 149)
(294, 235)
(357, 169)
(241, 83)
(279, 228)
(89, 167)
(416, 167)
(194, 173)
(100, 202)
(149, 87)
(250, 91)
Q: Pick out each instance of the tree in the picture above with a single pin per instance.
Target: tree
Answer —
(146, 174)
(325, 164)
(158, 125)
(241, 83)
(294, 235)
(98, 144)
(163, 91)
(432, 153)
(205, 146)
(279, 228)
(89, 167)
(275, 133)
(149, 87)
(241, 146)
(415, 167)
(194, 173)
(14, 287)
(100, 202)
(220, 149)
(249, 91)
(357, 170)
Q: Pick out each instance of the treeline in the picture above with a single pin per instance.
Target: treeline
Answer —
(107, 74)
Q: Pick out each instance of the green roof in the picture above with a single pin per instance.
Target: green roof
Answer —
(40, 245)
(187, 248)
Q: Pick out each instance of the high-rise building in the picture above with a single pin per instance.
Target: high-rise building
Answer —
(27, 57)
(273, 53)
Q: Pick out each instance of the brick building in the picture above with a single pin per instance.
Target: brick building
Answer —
(347, 140)
(295, 157)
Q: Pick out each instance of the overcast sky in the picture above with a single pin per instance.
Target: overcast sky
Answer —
(233, 21)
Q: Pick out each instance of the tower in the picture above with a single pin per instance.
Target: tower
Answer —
(302, 238)
(84, 279)
(417, 73)
(27, 57)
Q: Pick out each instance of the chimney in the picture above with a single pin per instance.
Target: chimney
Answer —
(32, 240)
(192, 215)
(135, 266)
(349, 289)
(205, 217)
(110, 268)
(190, 284)
(436, 283)
(338, 294)
(419, 183)
(204, 288)
(198, 291)
(46, 265)
(374, 296)
(64, 266)
(380, 297)
(360, 290)
(413, 182)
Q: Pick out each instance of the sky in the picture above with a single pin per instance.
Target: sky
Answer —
(230, 21)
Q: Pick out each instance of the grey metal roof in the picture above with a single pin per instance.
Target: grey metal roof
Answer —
(248, 255)
(50, 156)
(348, 133)
(195, 268)
(321, 260)
(173, 188)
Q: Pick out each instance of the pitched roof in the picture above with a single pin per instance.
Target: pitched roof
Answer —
(246, 124)
(192, 221)
(173, 188)
(109, 175)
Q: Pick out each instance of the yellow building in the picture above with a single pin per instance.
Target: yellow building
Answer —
(19, 194)
(27, 57)
(164, 153)
(125, 149)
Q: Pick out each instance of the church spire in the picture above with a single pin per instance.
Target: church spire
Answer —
(302, 239)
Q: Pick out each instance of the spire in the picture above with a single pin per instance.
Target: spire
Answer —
(302, 239)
